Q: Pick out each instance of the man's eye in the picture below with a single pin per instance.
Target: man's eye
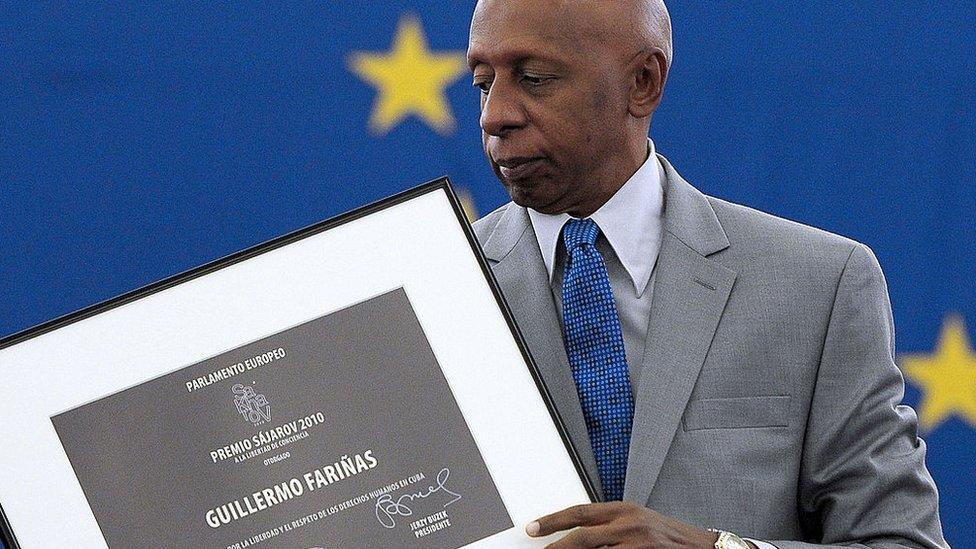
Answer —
(483, 86)
(533, 80)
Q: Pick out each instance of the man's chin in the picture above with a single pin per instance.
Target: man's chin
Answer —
(530, 197)
(521, 201)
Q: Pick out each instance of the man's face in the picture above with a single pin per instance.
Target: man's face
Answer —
(553, 99)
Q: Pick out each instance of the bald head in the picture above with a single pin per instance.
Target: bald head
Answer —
(629, 26)
(568, 91)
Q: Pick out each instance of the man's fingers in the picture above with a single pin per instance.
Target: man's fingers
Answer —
(571, 517)
(623, 524)
(587, 537)
(590, 514)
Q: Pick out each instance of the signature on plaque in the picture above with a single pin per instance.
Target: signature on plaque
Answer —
(389, 507)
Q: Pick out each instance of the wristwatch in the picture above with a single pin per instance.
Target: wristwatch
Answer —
(728, 540)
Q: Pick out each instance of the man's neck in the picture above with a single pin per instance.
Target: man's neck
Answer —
(622, 169)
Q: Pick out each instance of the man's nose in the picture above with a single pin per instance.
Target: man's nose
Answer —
(501, 111)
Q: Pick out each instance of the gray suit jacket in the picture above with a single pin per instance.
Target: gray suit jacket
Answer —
(768, 398)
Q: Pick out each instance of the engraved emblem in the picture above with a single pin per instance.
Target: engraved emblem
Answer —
(253, 406)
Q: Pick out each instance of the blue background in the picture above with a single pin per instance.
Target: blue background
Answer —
(137, 141)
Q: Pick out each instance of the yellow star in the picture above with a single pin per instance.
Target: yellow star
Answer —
(410, 79)
(468, 205)
(947, 377)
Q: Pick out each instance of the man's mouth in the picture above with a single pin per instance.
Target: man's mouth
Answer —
(519, 167)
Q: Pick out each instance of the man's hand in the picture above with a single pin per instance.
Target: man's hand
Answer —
(620, 523)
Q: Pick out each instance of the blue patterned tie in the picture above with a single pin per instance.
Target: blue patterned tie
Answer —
(595, 347)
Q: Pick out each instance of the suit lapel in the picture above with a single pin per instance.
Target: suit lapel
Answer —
(690, 293)
(521, 272)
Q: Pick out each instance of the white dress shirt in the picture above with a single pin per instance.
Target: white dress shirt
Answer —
(631, 228)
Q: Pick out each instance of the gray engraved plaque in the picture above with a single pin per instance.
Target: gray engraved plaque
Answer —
(339, 432)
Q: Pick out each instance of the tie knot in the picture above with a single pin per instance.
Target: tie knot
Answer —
(578, 232)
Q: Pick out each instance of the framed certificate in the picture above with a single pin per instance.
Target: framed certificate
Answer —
(358, 383)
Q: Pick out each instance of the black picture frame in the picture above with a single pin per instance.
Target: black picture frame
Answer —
(442, 184)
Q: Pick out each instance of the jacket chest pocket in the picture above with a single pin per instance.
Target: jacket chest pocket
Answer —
(737, 413)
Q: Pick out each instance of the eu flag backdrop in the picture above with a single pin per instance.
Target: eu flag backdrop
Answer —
(141, 139)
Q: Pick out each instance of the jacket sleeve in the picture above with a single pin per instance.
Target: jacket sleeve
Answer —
(863, 480)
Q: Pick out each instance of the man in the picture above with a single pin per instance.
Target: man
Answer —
(716, 367)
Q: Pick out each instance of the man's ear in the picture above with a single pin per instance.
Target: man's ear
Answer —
(649, 72)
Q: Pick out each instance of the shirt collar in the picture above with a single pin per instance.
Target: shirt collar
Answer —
(630, 221)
